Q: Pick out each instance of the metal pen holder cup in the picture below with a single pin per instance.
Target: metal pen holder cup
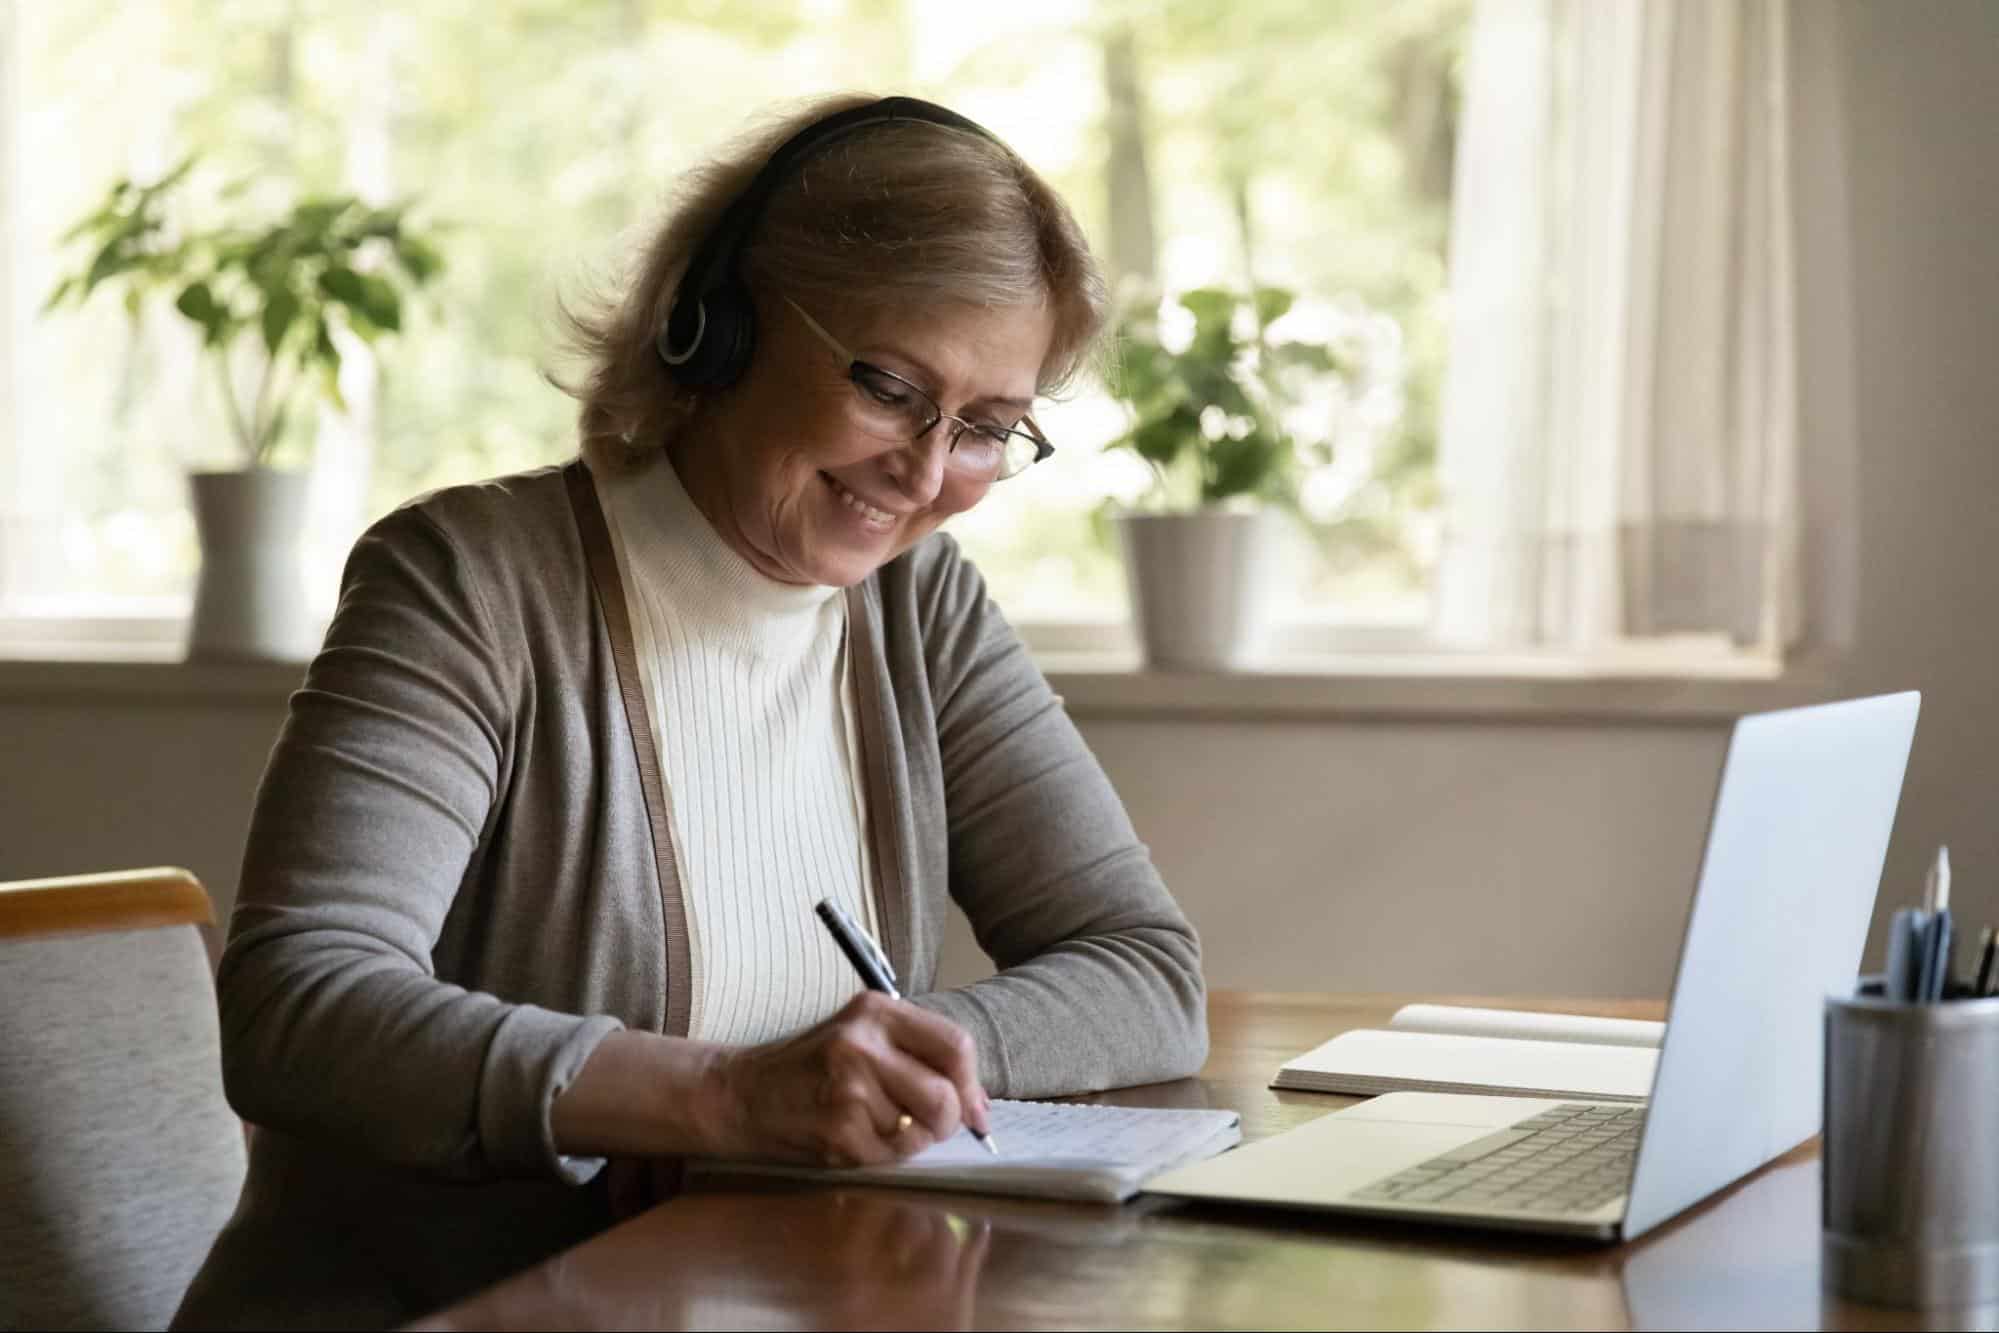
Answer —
(1911, 1156)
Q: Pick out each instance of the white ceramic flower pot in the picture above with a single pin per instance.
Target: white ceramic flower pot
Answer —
(249, 601)
(1200, 585)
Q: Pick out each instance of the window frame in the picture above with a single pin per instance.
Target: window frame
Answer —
(117, 630)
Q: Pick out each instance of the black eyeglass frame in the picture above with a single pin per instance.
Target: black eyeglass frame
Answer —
(856, 368)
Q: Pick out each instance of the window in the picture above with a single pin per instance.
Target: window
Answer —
(542, 132)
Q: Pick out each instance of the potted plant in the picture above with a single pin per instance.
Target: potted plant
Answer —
(1208, 389)
(267, 298)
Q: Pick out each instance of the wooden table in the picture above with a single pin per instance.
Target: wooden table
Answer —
(775, 1255)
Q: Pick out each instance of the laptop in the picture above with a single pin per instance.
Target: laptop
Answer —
(1795, 844)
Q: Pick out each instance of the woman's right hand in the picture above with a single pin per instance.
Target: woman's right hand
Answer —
(835, 1094)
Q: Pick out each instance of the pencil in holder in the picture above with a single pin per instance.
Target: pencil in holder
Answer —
(1911, 1156)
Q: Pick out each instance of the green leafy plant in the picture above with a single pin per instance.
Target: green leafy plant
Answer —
(281, 288)
(1208, 407)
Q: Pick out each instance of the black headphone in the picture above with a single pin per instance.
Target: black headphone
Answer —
(711, 329)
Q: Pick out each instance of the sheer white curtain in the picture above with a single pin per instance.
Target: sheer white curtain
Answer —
(1620, 454)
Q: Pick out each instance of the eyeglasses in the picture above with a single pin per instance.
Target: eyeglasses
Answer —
(889, 407)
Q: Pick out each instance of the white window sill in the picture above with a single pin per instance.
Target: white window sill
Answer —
(1456, 688)
(1376, 686)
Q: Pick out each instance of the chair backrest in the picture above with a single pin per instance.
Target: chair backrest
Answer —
(119, 1157)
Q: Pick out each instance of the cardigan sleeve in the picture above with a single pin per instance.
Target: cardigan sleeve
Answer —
(1099, 982)
(373, 806)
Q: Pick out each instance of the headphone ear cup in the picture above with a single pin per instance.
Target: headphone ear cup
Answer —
(728, 336)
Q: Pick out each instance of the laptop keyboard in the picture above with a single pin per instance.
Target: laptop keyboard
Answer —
(1569, 1159)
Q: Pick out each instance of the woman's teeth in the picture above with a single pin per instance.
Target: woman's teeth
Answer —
(879, 518)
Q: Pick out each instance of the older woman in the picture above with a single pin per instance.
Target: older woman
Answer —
(531, 877)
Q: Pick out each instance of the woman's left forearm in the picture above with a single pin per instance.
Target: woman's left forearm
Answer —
(1092, 1012)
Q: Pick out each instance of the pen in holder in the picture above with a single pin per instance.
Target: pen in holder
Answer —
(1911, 1162)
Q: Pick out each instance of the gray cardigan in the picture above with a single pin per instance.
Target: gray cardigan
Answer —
(458, 881)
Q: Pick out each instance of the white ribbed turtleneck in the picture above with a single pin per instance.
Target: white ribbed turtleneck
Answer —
(753, 714)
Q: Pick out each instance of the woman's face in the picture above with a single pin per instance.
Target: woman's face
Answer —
(797, 490)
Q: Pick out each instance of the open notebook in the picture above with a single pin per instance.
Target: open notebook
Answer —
(1444, 1048)
(1054, 1150)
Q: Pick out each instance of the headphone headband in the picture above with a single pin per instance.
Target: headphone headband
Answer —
(710, 329)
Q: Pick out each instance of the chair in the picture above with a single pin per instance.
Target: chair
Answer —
(119, 1158)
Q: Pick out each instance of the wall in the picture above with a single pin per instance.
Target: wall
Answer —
(109, 779)
(1312, 855)
(1924, 222)
(1344, 853)
(1489, 858)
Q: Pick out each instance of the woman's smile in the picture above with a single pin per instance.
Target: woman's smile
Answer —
(871, 517)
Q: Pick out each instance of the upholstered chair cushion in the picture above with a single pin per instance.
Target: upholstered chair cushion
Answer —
(119, 1158)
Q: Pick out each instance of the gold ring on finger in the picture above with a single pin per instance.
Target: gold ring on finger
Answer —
(904, 1121)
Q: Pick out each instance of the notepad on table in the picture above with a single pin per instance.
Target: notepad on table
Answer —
(1446, 1048)
(1054, 1150)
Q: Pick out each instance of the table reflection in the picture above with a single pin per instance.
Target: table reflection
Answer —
(1755, 1264)
(754, 1260)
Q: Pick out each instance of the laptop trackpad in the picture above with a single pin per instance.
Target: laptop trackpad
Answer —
(1320, 1163)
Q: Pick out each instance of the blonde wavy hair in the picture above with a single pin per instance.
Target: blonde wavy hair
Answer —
(886, 215)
